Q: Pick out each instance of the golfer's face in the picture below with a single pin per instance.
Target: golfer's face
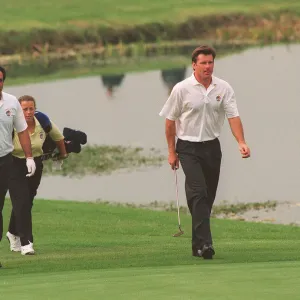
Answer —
(1, 82)
(28, 110)
(204, 66)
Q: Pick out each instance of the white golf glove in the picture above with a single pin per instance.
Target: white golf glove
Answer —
(31, 167)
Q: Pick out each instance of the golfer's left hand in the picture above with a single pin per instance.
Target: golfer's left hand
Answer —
(31, 167)
(244, 149)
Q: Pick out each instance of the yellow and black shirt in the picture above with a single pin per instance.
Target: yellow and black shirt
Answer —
(37, 139)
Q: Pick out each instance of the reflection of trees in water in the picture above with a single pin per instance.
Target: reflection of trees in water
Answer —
(111, 82)
(173, 76)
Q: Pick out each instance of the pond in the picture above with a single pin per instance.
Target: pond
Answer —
(123, 110)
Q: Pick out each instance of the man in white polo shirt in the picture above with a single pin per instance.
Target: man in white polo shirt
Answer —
(195, 113)
(11, 116)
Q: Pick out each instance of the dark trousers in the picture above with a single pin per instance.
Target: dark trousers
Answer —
(200, 162)
(6, 164)
(22, 193)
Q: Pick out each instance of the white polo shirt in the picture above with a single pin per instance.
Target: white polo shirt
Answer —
(199, 112)
(11, 116)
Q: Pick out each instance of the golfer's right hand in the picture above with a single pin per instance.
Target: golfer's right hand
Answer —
(31, 167)
(173, 161)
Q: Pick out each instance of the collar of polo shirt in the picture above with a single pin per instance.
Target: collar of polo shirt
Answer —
(196, 82)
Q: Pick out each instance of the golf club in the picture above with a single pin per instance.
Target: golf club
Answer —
(180, 232)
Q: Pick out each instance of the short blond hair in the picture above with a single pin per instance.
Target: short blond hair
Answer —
(27, 98)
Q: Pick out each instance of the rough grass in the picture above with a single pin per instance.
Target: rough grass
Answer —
(223, 209)
(105, 159)
(228, 209)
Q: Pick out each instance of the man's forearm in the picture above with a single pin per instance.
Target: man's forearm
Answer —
(170, 135)
(237, 129)
(25, 143)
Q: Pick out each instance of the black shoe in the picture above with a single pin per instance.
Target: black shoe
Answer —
(207, 252)
(0, 265)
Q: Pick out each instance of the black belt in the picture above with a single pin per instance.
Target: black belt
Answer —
(202, 142)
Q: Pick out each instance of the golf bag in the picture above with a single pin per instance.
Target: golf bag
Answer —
(73, 138)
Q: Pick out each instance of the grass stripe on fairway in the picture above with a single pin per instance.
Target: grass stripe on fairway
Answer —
(232, 281)
(93, 249)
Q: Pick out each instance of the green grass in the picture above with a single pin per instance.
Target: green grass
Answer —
(22, 15)
(273, 281)
(101, 251)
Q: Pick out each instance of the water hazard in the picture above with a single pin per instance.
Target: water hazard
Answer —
(123, 110)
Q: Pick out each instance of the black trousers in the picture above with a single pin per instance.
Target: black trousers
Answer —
(22, 192)
(201, 163)
(6, 163)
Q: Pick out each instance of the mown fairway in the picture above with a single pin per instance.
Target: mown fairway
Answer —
(24, 15)
(88, 251)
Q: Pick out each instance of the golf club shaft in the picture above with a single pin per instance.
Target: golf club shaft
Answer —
(177, 198)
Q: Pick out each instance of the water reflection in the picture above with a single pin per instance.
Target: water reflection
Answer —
(268, 97)
(111, 82)
(41, 63)
(172, 76)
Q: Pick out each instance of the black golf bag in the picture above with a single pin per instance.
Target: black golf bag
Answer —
(73, 138)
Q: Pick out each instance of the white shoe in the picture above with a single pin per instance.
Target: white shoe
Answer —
(14, 242)
(27, 249)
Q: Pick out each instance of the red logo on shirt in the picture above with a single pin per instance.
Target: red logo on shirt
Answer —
(8, 113)
(218, 98)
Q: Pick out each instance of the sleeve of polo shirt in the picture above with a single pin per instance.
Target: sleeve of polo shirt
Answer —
(230, 105)
(173, 106)
(19, 119)
(55, 133)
